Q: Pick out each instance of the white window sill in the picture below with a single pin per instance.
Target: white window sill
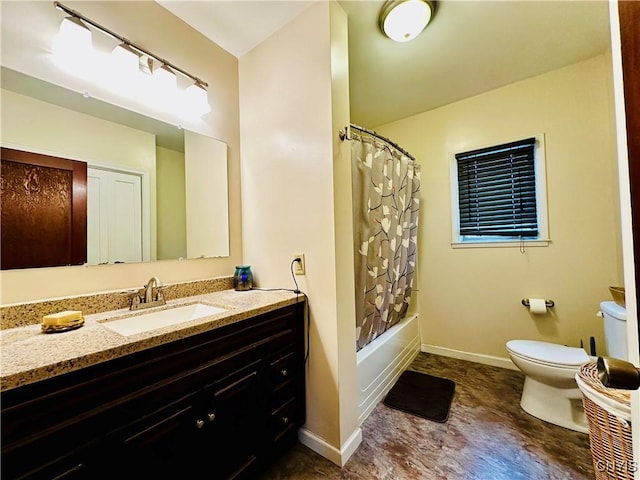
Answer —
(512, 244)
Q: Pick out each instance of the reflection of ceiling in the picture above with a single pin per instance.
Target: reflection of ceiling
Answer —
(167, 136)
(469, 48)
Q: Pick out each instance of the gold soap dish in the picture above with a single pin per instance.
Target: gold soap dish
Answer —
(70, 325)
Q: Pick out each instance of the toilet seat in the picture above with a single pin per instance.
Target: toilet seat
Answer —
(550, 354)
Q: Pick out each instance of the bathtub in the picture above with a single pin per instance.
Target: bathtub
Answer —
(382, 361)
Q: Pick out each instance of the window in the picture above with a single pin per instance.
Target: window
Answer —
(499, 194)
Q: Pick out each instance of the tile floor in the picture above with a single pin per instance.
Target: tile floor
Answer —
(487, 437)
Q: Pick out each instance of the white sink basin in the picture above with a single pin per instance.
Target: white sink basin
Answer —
(144, 322)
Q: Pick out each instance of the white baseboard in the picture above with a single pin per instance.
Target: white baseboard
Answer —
(471, 357)
(331, 453)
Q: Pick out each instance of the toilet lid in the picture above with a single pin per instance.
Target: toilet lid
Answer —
(548, 352)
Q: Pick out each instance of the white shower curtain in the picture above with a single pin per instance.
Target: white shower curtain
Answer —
(386, 185)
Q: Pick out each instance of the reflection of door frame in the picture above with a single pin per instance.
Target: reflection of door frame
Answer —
(625, 44)
(146, 201)
(146, 188)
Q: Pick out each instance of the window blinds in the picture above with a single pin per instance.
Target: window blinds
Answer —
(497, 191)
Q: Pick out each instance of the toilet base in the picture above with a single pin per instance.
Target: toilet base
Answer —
(559, 406)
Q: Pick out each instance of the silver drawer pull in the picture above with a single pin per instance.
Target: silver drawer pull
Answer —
(285, 420)
(199, 423)
(284, 372)
(211, 416)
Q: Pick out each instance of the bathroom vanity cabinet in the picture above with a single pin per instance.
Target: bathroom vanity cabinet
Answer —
(216, 405)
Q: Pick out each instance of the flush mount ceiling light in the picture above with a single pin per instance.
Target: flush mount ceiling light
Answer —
(403, 20)
(131, 59)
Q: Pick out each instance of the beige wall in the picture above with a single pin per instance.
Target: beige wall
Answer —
(27, 29)
(469, 299)
(288, 147)
(170, 201)
(41, 127)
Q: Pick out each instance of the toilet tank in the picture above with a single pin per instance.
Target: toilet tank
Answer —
(615, 329)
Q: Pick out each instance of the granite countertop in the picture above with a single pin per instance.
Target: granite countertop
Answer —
(28, 355)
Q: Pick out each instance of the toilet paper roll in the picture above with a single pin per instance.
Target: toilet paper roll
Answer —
(538, 306)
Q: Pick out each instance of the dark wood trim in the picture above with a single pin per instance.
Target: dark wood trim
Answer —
(629, 13)
(78, 169)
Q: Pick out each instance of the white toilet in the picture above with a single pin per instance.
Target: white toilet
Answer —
(550, 392)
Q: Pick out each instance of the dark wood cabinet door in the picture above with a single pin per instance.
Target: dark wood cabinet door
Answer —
(234, 424)
(43, 210)
(162, 444)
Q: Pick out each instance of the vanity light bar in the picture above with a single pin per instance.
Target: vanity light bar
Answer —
(120, 38)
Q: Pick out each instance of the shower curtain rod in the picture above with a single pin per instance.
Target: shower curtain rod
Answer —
(344, 135)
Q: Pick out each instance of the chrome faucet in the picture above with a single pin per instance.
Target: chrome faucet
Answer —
(144, 297)
(148, 289)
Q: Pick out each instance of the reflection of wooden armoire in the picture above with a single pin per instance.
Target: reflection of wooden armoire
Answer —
(43, 210)
(629, 12)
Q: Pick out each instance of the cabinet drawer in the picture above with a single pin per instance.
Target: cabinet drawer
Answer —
(283, 420)
(282, 393)
(70, 465)
(283, 368)
(157, 445)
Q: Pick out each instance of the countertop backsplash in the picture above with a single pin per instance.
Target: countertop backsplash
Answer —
(20, 315)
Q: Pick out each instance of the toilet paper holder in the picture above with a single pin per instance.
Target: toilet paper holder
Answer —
(548, 303)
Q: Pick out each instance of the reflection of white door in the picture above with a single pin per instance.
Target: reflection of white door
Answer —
(114, 223)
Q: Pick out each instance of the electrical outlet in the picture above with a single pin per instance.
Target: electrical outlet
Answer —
(298, 264)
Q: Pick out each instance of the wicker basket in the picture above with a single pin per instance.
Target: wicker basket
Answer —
(618, 295)
(608, 412)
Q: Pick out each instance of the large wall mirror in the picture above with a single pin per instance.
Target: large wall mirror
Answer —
(154, 191)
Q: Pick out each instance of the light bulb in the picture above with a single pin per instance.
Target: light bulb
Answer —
(73, 38)
(126, 59)
(196, 100)
(165, 79)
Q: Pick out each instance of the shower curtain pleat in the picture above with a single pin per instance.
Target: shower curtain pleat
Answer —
(386, 185)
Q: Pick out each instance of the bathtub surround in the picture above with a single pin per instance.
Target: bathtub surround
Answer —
(382, 361)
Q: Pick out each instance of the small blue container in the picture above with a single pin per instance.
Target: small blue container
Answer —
(243, 278)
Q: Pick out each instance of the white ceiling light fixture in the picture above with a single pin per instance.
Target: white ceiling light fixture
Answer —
(126, 58)
(196, 100)
(165, 78)
(74, 36)
(403, 20)
(129, 58)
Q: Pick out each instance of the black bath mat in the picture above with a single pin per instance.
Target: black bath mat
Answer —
(423, 395)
